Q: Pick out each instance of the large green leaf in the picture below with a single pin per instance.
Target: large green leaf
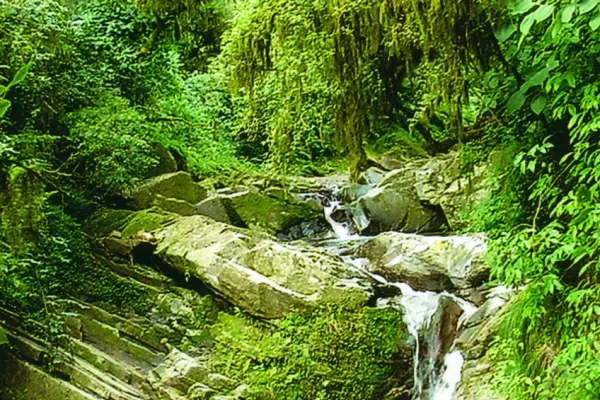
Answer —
(588, 5)
(595, 22)
(538, 104)
(3, 338)
(3, 90)
(567, 13)
(515, 102)
(539, 77)
(505, 32)
(543, 12)
(20, 75)
(527, 23)
(4, 104)
(523, 6)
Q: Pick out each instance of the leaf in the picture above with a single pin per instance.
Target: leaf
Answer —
(538, 104)
(3, 338)
(567, 13)
(505, 32)
(4, 104)
(523, 7)
(543, 12)
(3, 90)
(526, 24)
(525, 27)
(595, 22)
(515, 102)
(587, 6)
(539, 77)
(20, 75)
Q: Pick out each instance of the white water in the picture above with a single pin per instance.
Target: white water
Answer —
(451, 375)
(419, 308)
(341, 230)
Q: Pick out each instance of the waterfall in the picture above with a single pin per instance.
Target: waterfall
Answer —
(341, 229)
(437, 373)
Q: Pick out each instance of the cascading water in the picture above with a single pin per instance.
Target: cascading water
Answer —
(436, 373)
(341, 229)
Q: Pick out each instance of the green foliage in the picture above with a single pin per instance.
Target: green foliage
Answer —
(544, 211)
(332, 354)
(3, 338)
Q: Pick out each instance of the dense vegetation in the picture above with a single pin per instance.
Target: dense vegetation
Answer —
(91, 91)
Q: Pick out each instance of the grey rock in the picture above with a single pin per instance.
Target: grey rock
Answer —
(427, 262)
(252, 270)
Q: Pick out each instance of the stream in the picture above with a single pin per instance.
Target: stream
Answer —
(437, 372)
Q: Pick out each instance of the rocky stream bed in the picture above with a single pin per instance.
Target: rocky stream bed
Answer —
(270, 249)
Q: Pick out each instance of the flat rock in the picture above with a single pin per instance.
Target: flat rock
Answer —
(254, 271)
(427, 262)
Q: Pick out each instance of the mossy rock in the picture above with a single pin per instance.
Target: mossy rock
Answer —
(177, 185)
(128, 223)
(273, 212)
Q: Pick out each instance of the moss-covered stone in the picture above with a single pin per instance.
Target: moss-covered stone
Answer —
(333, 354)
(128, 223)
(273, 212)
(178, 185)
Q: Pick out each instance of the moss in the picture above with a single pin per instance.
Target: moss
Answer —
(271, 214)
(127, 222)
(334, 353)
(147, 220)
(78, 274)
(105, 220)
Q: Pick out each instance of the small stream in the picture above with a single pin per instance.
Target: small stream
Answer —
(437, 371)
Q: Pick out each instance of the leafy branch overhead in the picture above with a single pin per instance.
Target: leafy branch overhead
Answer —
(17, 79)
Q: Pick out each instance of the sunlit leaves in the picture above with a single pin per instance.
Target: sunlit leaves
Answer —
(543, 12)
(595, 22)
(20, 75)
(523, 6)
(567, 13)
(4, 105)
(588, 5)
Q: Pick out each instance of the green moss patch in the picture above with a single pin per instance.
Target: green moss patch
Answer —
(334, 353)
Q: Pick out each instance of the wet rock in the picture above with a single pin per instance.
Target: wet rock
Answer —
(396, 207)
(33, 383)
(373, 176)
(427, 262)
(218, 208)
(180, 371)
(200, 391)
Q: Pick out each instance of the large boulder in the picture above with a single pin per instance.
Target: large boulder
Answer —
(474, 342)
(250, 269)
(270, 210)
(253, 271)
(273, 210)
(427, 262)
(395, 206)
(172, 192)
(440, 182)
